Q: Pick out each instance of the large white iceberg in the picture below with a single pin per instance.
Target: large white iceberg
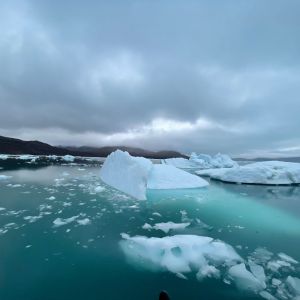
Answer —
(267, 172)
(134, 175)
(202, 161)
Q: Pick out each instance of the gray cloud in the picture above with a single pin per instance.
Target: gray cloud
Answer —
(99, 72)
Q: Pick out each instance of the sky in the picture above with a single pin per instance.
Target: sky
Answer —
(189, 75)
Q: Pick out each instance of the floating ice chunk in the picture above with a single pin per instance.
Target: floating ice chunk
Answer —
(259, 272)
(68, 158)
(126, 173)
(156, 214)
(166, 227)
(276, 281)
(287, 258)
(3, 156)
(27, 157)
(266, 295)
(169, 177)
(133, 175)
(244, 279)
(85, 221)
(267, 172)
(179, 253)
(60, 222)
(5, 177)
(51, 198)
(99, 189)
(181, 276)
(293, 284)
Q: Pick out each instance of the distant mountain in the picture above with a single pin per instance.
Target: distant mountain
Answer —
(17, 146)
(104, 151)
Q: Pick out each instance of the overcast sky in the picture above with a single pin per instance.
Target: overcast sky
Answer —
(207, 76)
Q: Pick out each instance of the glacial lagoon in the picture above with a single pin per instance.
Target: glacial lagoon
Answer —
(60, 236)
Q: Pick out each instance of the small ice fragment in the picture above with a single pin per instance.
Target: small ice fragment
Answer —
(85, 221)
(60, 222)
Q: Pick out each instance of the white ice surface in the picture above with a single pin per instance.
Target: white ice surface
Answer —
(134, 175)
(170, 177)
(180, 253)
(267, 172)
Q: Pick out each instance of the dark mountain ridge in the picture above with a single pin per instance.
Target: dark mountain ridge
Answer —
(16, 146)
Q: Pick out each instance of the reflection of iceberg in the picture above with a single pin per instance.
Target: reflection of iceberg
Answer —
(202, 161)
(133, 175)
(268, 172)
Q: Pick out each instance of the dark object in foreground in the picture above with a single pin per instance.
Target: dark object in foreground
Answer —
(164, 296)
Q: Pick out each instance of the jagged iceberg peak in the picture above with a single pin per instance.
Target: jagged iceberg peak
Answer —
(134, 175)
(202, 161)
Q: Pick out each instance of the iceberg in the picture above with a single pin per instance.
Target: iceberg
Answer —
(202, 161)
(134, 175)
(267, 172)
(126, 173)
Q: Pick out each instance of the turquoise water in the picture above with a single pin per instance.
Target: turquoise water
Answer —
(84, 260)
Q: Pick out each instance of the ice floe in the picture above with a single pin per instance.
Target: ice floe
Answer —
(134, 175)
(267, 172)
(68, 158)
(179, 253)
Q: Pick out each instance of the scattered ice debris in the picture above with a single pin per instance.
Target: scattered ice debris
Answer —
(68, 158)
(166, 227)
(60, 221)
(85, 221)
(5, 177)
(266, 172)
(133, 175)
(202, 161)
(244, 279)
(179, 253)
